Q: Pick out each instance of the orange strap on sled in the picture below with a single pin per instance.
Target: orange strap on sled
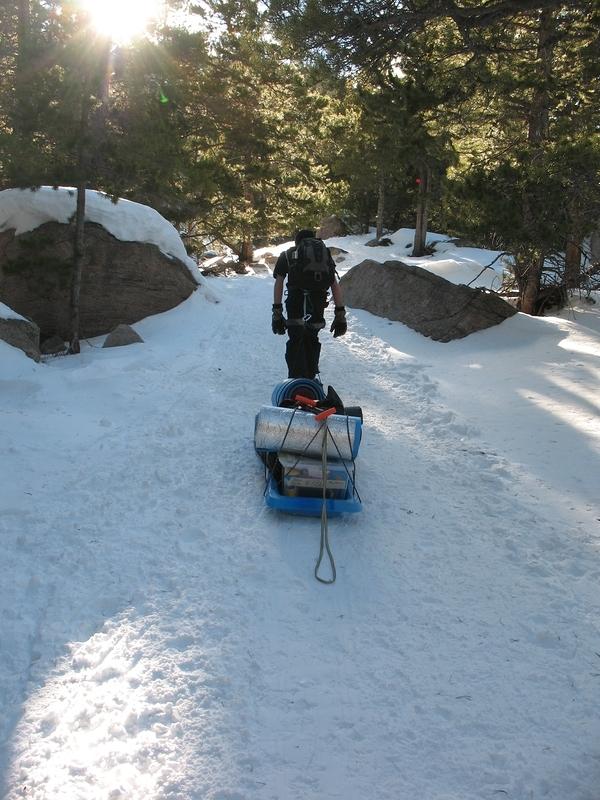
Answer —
(305, 401)
(324, 414)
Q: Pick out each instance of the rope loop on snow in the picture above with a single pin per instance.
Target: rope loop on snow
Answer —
(324, 547)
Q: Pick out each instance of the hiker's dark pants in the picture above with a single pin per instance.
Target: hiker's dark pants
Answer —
(302, 351)
(304, 321)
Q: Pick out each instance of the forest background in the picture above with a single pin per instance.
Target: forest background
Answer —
(246, 120)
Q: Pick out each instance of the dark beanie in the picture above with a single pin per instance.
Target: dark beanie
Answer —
(304, 234)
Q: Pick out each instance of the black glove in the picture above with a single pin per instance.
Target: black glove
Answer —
(277, 320)
(339, 326)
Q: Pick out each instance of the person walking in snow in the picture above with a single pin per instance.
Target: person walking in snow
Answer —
(310, 272)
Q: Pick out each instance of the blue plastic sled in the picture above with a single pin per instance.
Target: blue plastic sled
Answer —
(310, 506)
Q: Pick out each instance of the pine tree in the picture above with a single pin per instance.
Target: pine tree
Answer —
(259, 118)
(535, 98)
(87, 114)
(516, 82)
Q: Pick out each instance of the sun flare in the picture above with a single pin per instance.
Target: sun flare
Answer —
(122, 20)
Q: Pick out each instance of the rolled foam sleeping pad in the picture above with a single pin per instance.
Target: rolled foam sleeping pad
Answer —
(287, 390)
(354, 411)
(298, 432)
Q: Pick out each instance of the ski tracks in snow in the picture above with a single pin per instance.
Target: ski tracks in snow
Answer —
(180, 647)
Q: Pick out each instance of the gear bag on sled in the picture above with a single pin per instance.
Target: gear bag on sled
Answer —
(309, 266)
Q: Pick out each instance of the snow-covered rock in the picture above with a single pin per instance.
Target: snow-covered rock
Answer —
(23, 210)
(19, 332)
(425, 302)
(136, 264)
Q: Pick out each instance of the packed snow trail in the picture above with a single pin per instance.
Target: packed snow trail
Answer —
(165, 637)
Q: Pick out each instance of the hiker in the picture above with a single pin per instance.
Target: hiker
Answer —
(310, 272)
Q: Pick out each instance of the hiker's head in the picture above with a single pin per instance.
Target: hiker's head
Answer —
(305, 233)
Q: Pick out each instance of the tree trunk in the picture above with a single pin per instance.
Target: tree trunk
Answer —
(83, 153)
(422, 213)
(595, 245)
(573, 262)
(380, 207)
(24, 28)
(530, 284)
(539, 112)
(79, 258)
(21, 119)
(537, 135)
(246, 252)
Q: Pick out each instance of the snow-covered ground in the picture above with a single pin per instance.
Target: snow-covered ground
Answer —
(163, 635)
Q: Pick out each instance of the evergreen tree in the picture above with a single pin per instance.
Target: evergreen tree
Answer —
(520, 79)
(536, 110)
(258, 116)
(100, 117)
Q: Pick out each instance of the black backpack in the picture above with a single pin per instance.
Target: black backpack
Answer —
(309, 266)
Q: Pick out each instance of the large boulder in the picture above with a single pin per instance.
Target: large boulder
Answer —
(122, 281)
(19, 332)
(332, 226)
(425, 302)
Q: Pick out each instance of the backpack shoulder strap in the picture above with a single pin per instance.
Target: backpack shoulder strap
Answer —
(291, 255)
